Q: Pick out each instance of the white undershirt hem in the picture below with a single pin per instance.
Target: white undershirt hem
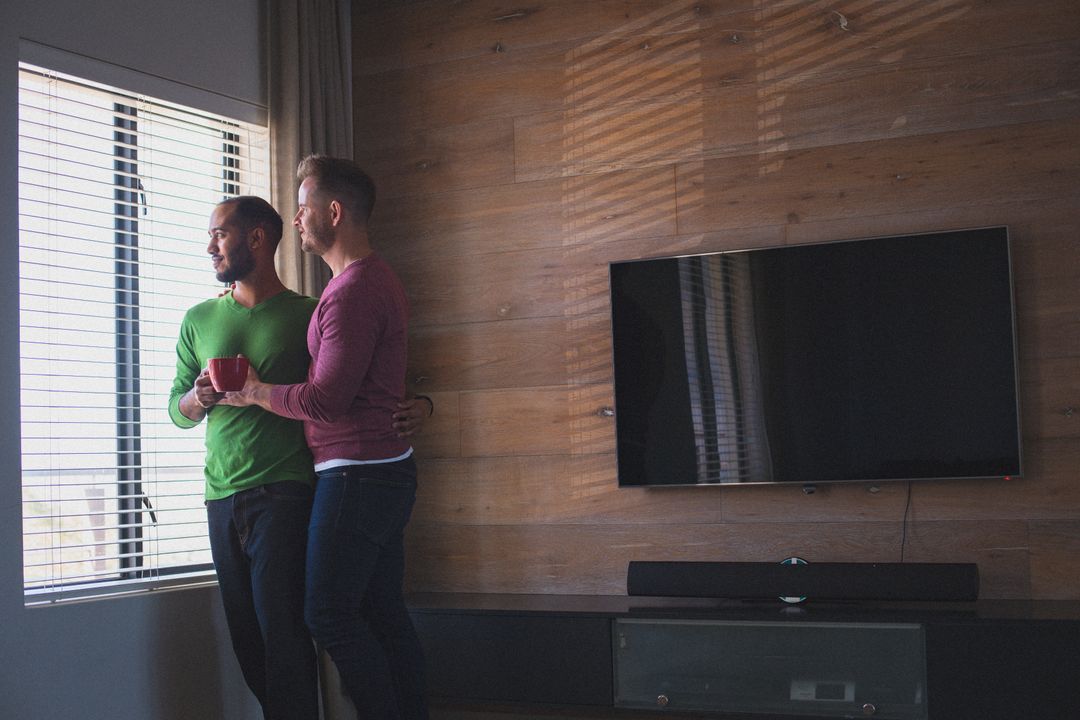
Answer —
(342, 462)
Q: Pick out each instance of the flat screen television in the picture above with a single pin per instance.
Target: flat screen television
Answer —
(890, 358)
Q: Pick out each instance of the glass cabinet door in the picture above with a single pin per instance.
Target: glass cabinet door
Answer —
(798, 668)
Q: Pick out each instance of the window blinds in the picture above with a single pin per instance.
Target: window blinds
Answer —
(115, 191)
(722, 369)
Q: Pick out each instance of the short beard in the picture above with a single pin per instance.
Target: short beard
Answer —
(317, 239)
(241, 263)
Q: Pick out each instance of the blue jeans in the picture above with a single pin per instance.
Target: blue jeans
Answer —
(355, 606)
(258, 539)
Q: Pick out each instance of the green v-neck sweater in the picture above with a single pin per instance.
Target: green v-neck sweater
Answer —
(247, 447)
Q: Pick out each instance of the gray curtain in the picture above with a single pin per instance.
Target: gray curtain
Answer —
(310, 76)
(310, 91)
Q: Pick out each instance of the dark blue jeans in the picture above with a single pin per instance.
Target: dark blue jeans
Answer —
(258, 539)
(355, 605)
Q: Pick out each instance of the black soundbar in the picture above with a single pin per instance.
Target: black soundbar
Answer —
(814, 581)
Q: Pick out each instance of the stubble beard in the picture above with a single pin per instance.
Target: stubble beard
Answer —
(241, 263)
(316, 239)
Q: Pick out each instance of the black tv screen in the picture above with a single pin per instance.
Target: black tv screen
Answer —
(881, 359)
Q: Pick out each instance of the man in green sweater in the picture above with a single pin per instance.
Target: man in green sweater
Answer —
(259, 471)
(259, 476)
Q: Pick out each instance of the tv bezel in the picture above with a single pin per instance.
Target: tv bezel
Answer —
(809, 485)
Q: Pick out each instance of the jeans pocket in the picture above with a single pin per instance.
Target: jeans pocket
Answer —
(381, 508)
(372, 501)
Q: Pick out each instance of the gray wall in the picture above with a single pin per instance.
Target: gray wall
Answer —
(159, 657)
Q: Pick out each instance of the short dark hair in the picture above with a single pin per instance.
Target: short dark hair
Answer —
(250, 211)
(342, 180)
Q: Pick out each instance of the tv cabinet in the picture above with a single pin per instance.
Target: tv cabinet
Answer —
(609, 656)
(826, 669)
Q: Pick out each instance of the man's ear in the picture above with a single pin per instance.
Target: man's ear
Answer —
(257, 237)
(336, 212)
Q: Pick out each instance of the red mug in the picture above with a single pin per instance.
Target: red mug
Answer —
(228, 374)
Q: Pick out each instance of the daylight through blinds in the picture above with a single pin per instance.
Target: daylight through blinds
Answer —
(114, 195)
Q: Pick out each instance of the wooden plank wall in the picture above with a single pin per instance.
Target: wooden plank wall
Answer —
(520, 148)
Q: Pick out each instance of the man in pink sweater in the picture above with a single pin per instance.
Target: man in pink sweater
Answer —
(354, 604)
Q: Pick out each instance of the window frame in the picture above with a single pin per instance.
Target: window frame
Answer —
(135, 513)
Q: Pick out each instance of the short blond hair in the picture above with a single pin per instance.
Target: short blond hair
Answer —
(342, 180)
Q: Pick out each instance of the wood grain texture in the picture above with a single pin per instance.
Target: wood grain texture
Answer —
(522, 149)
(440, 159)
(1016, 162)
(457, 92)
(517, 61)
(546, 214)
(1050, 394)
(540, 490)
(1048, 490)
(1052, 544)
(537, 421)
(805, 38)
(1000, 549)
(1042, 231)
(1047, 317)
(578, 559)
(514, 353)
(829, 107)
(420, 32)
(563, 282)
(829, 503)
(408, 36)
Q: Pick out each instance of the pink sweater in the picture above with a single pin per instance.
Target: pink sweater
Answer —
(357, 339)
